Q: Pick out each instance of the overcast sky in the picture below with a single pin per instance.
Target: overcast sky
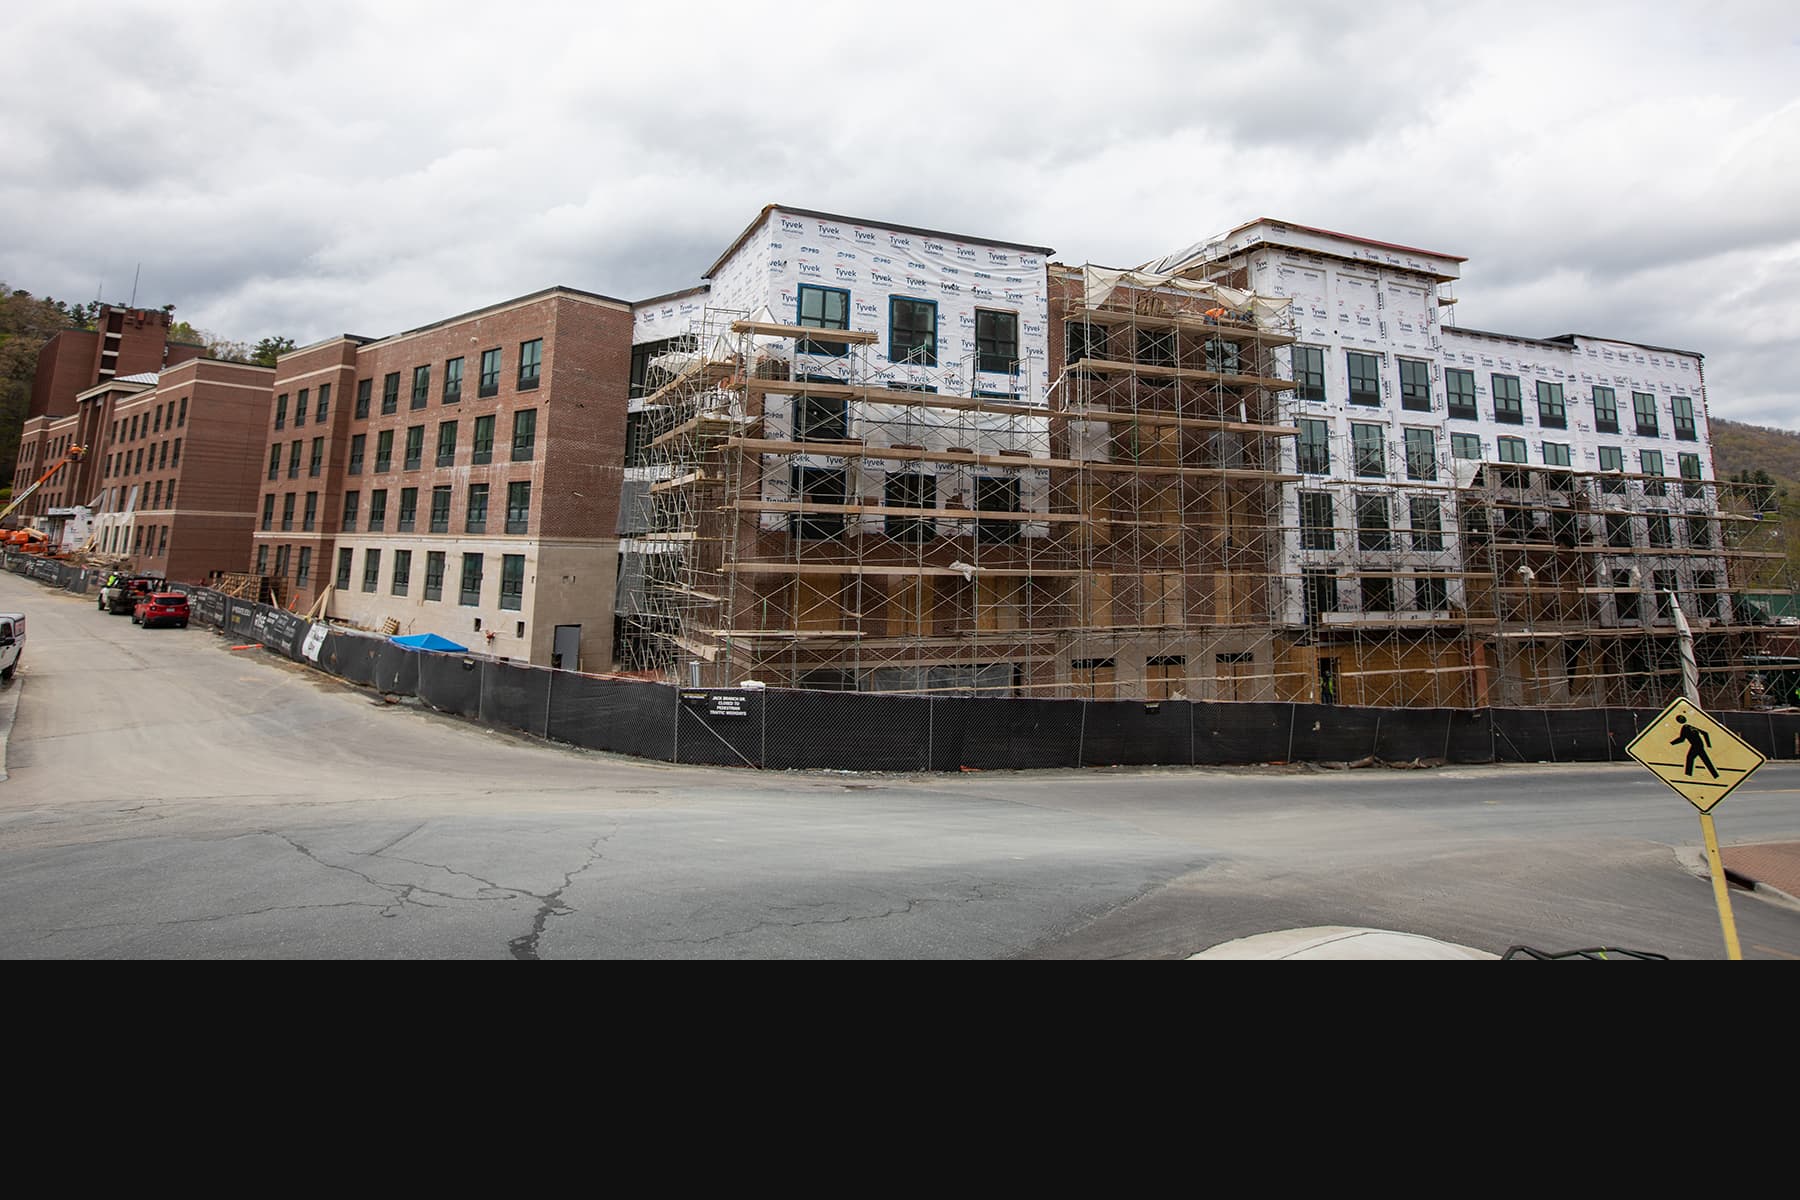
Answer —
(1621, 169)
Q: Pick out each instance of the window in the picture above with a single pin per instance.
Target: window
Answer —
(371, 569)
(1156, 347)
(1509, 403)
(531, 359)
(384, 451)
(378, 509)
(1682, 408)
(324, 409)
(1665, 583)
(1618, 531)
(1661, 530)
(453, 381)
(996, 341)
(490, 373)
(1317, 521)
(170, 498)
(1625, 596)
(1370, 450)
(162, 456)
(1415, 385)
(821, 419)
(310, 514)
(352, 502)
(909, 491)
(275, 461)
(409, 509)
(512, 582)
(1372, 529)
(1651, 463)
(1082, 340)
(302, 574)
(1421, 455)
(471, 579)
(287, 513)
(440, 510)
(646, 378)
(821, 308)
(1365, 379)
(1466, 446)
(316, 465)
(484, 439)
(912, 331)
(1556, 454)
(1315, 447)
(1606, 410)
(390, 394)
(1321, 594)
(359, 443)
(524, 440)
(475, 520)
(1512, 449)
(281, 554)
(294, 461)
(343, 568)
(1222, 357)
(1552, 413)
(1427, 524)
(402, 571)
(301, 402)
(182, 419)
(1644, 405)
(363, 387)
(1690, 474)
(268, 517)
(1612, 458)
(280, 414)
(996, 494)
(1431, 595)
(415, 446)
(421, 387)
(434, 574)
(817, 485)
(1699, 533)
(1377, 594)
(518, 507)
(446, 446)
(1309, 373)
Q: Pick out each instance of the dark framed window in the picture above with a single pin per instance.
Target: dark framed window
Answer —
(343, 568)
(817, 485)
(490, 373)
(996, 494)
(301, 402)
(415, 447)
(371, 569)
(1552, 413)
(531, 361)
(287, 513)
(1427, 523)
(378, 509)
(821, 418)
(352, 507)
(1699, 533)
(822, 308)
(1082, 339)
(293, 460)
(512, 582)
(446, 444)
(475, 521)
(175, 457)
(281, 552)
(1650, 462)
(909, 491)
(1643, 406)
(440, 509)
(280, 414)
(182, 419)
(484, 440)
(1431, 595)
(1155, 347)
(275, 461)
(1365, 378)
(1556, 454)
(1606, 410)
(421, 389)
(912, 331)
(1318, 521)
(1321, 594)
(1309, 373)
(1222, 357)
(1618, 531)
(324, 409)
(1689, 465)
(1511, 449)
(1612, 458)
(409, 510)
(316, 464)
(1314, 447)
(524, 439)
(363, 388)
(268, 516)
(359, 443)
(470, 593)
(1509, 401)
(309, 515)
(1415, 385)
(434, 574)
(996, 341)
(402, 571)
(518, 507)
(390, 394)
(453, 381)
(1626, 595)
(1681, 408)
(1660, 530)
(384, 451)
(1421, 455)
(1373, 531)
(1369, 447)
(1377, 593)
(646, 378)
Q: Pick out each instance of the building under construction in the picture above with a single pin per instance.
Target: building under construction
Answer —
(895, 461)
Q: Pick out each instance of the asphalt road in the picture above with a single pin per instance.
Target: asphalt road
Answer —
(172, 798)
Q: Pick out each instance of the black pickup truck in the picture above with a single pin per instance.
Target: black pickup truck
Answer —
(122, 592)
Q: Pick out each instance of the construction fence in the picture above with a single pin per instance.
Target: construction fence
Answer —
(783, 729)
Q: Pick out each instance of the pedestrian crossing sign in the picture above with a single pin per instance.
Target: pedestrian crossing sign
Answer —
(1695, 755)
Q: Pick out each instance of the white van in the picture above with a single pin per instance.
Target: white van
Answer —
(12, 642)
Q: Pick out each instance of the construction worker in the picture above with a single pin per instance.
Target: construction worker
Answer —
(1216, 315)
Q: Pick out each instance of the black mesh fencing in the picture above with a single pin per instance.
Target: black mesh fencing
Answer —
(775, 729)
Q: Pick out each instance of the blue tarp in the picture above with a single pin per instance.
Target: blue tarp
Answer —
(430, 641)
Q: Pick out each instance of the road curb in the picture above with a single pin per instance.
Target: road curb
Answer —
(9, 710)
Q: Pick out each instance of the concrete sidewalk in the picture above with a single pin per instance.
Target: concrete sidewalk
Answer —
(1774, 867)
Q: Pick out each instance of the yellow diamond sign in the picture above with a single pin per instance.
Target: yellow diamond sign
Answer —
(1695, 755)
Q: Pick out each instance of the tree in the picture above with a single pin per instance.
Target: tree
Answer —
(269, 349)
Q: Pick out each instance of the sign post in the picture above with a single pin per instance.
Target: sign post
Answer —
(1703, 762)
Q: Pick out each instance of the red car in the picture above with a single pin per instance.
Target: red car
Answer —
(161, 608)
